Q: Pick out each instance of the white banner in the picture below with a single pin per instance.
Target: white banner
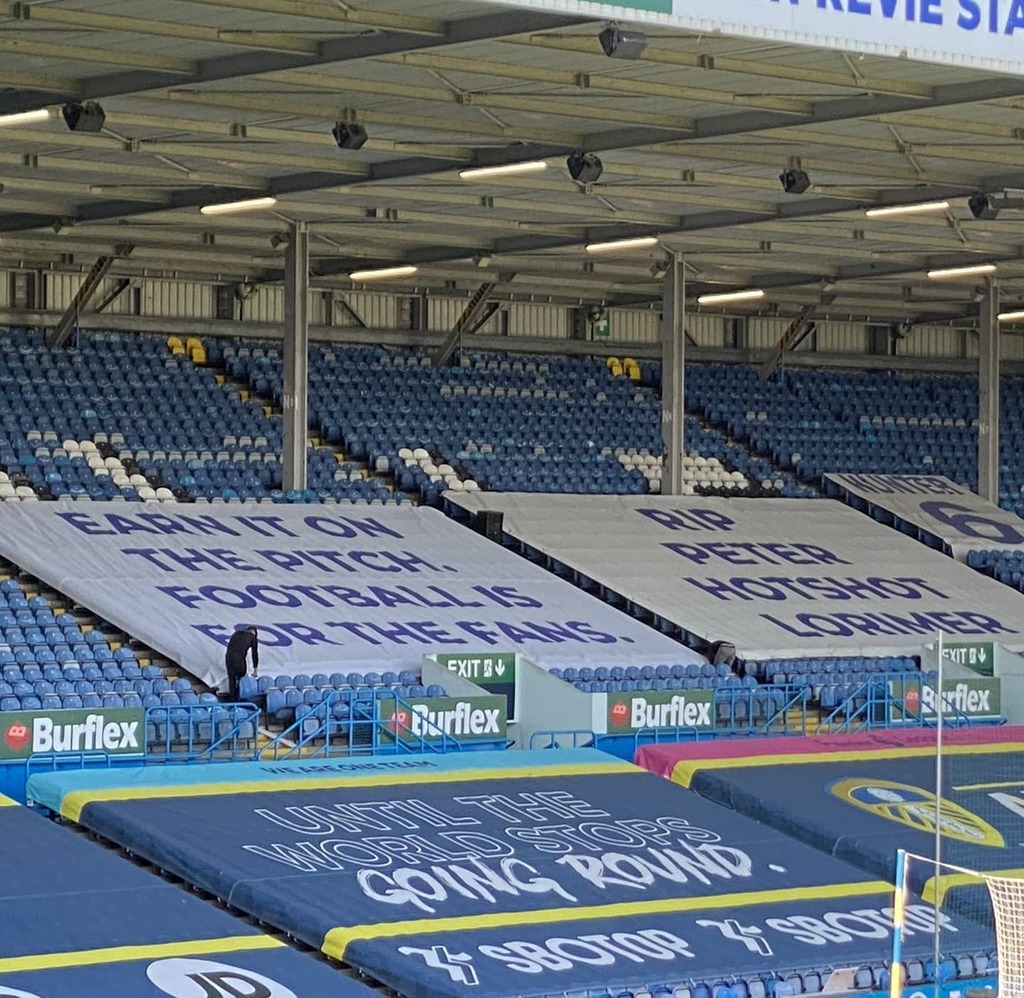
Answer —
(959, 518)
(329, 587)
(777, 577)
(982, 34)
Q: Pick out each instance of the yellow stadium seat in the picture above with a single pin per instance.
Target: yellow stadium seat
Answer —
(197, 354)
(613, 362)
(616, 369)
(633, 372)
(628, 362)
(174, 344)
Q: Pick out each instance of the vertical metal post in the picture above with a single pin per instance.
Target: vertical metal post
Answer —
(988, 394)
(295, 396)
(673, 350)
(940, 710)
(899, 902)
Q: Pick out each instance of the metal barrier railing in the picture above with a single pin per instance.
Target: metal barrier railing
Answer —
(51, 761)
(886, 700)
(772, 709)
(358, 729)
(201, 732)
(578, 738)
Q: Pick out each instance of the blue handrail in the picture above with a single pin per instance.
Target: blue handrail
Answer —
(51, 760)
(201, 732)
(579, 738)
(360, 730)
(880, 701)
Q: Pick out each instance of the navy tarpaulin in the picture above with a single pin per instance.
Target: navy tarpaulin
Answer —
(80, 920)
(864, 809)
(507, 873)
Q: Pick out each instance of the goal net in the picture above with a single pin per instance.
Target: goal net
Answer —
(1007, 895)
(979, 926)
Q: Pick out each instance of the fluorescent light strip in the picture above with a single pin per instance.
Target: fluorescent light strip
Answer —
(971, 271)
(640, 242)
(1011, 317)
(229, 207)
(507, 170)
(382, 273)
(907, 209)
(728, 296)
(25, 118)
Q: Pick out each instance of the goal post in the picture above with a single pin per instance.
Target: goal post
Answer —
(1008, 904)
(978, 923)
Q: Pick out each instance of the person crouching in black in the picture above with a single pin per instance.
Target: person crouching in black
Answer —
(243, 641)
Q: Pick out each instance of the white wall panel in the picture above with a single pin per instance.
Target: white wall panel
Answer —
(443, 313)
(492, 327)
(532, 319)
(707, 330)
(60, 290)
(842, 337)
(122, 304)
(265, 304)
(318, 306)
(931, 341)
(635, 325)
(1011, 345)
(378, 311)
(177, 299)
(765, 332)
(5, 290)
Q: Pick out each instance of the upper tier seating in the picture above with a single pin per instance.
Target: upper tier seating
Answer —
(125, 417)
(815, 422)
(529, 424)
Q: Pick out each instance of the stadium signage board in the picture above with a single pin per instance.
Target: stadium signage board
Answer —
(631, 712)
(494, 672)
(977, 655)
(962, 33)
(466, 719)
(117, 731)
(975, 697)
(324, 584)
(497, 667)
(786, 578)
(961, 520)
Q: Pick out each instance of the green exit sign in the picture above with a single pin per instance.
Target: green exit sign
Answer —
(976, 655)
(491, 671)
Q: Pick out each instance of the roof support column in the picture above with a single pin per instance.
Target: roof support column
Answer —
(295, 396)
(673, 351)
(988, 394)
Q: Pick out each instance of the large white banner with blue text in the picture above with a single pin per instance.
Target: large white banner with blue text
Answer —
(981, 34)
(777, 577)
(329, 587)
(958, 517)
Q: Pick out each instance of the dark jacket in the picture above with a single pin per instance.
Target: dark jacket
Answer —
(241, 643)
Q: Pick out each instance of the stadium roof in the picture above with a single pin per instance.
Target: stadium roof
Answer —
(218, 100)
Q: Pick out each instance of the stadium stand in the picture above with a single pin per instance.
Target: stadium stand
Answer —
(812, 422)
(125, 417)
(522, 423)
(57, 656)
(76, 426)
(104, 420)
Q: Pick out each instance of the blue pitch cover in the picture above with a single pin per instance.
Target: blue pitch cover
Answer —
(486, 880)
(81, 921)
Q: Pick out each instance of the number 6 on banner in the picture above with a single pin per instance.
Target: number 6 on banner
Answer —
(971, 524)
